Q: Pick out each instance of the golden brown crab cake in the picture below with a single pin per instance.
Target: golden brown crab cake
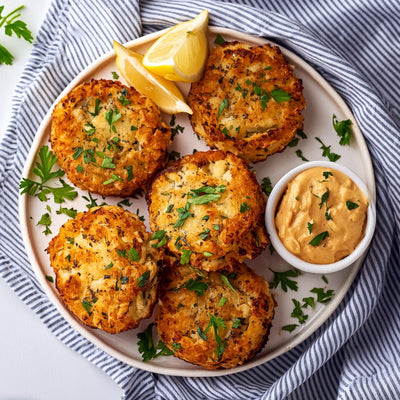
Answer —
(218, 320)
(108, 138)
(248, 101)
(211, 208)
(106, 270)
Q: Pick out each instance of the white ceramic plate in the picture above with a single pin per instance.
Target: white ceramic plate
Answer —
(322, 101)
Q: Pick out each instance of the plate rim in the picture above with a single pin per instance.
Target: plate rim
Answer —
(105, 346)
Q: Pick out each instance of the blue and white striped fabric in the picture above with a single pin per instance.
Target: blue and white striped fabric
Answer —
(355, 45)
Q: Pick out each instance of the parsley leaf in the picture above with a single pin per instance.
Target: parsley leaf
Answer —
(145, 343)
(283, 279)
(112, 179)
(322, 296)
(204, 234)
(219, 40)
(107, 162)
(319, 238)
(87, 306)
(183, 215)
(143, 279)
(326, 151)
(97, 108)
(16, 26)
(280, 95)
(266, 186)
(290, 327)
(299, 154)
(350, 205)
(310, 226)
(133, 254)
(298, 312)
(196, 285)
(222, 106)
(185, 257)
(215, 322)
(70, 212)
(324, 199)
(147, 348)
(45, 220)
(204, 199)
(343, 129)
(244, 207)
(123, 98)
(225, 279)
(112, 117)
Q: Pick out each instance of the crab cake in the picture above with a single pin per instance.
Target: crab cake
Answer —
(248, 101)
(211, 210)
(106, 270)
(108, 138)
(218, 320)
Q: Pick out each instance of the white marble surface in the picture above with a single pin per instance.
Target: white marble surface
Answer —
(34, 365)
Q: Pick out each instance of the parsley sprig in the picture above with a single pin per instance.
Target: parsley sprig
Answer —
(13, 25)
(43, 169)
(215, 323)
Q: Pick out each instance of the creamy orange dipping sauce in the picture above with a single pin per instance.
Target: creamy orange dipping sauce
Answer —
(322, 215)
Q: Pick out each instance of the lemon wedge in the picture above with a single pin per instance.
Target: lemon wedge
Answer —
(181, 53)
(162, 91)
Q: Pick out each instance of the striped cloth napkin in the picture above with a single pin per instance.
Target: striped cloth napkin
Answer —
(355, 46)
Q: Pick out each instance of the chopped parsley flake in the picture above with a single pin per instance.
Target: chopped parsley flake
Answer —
(222, 301)
(310, 226)
(222, 106)
(350, 205)
(97, 108)
(143, 279)
(299, 154)
(266, 186)
(319, 238)
(185, 257)
(244, 207)
(204, 234)
(112, 117)
(225, 279)
(326, 151)
(280, 95)
(196, 285)
(219, 40)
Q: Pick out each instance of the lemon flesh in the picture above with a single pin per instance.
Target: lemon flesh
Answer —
(181, 53)
(163, 92)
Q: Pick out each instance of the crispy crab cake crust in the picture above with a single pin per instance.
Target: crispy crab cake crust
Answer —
(241, 104)
(116, 158)
(223, 231)
(184, 315)
(98, 275)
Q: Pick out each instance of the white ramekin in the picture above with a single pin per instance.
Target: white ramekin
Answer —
(271, 209)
